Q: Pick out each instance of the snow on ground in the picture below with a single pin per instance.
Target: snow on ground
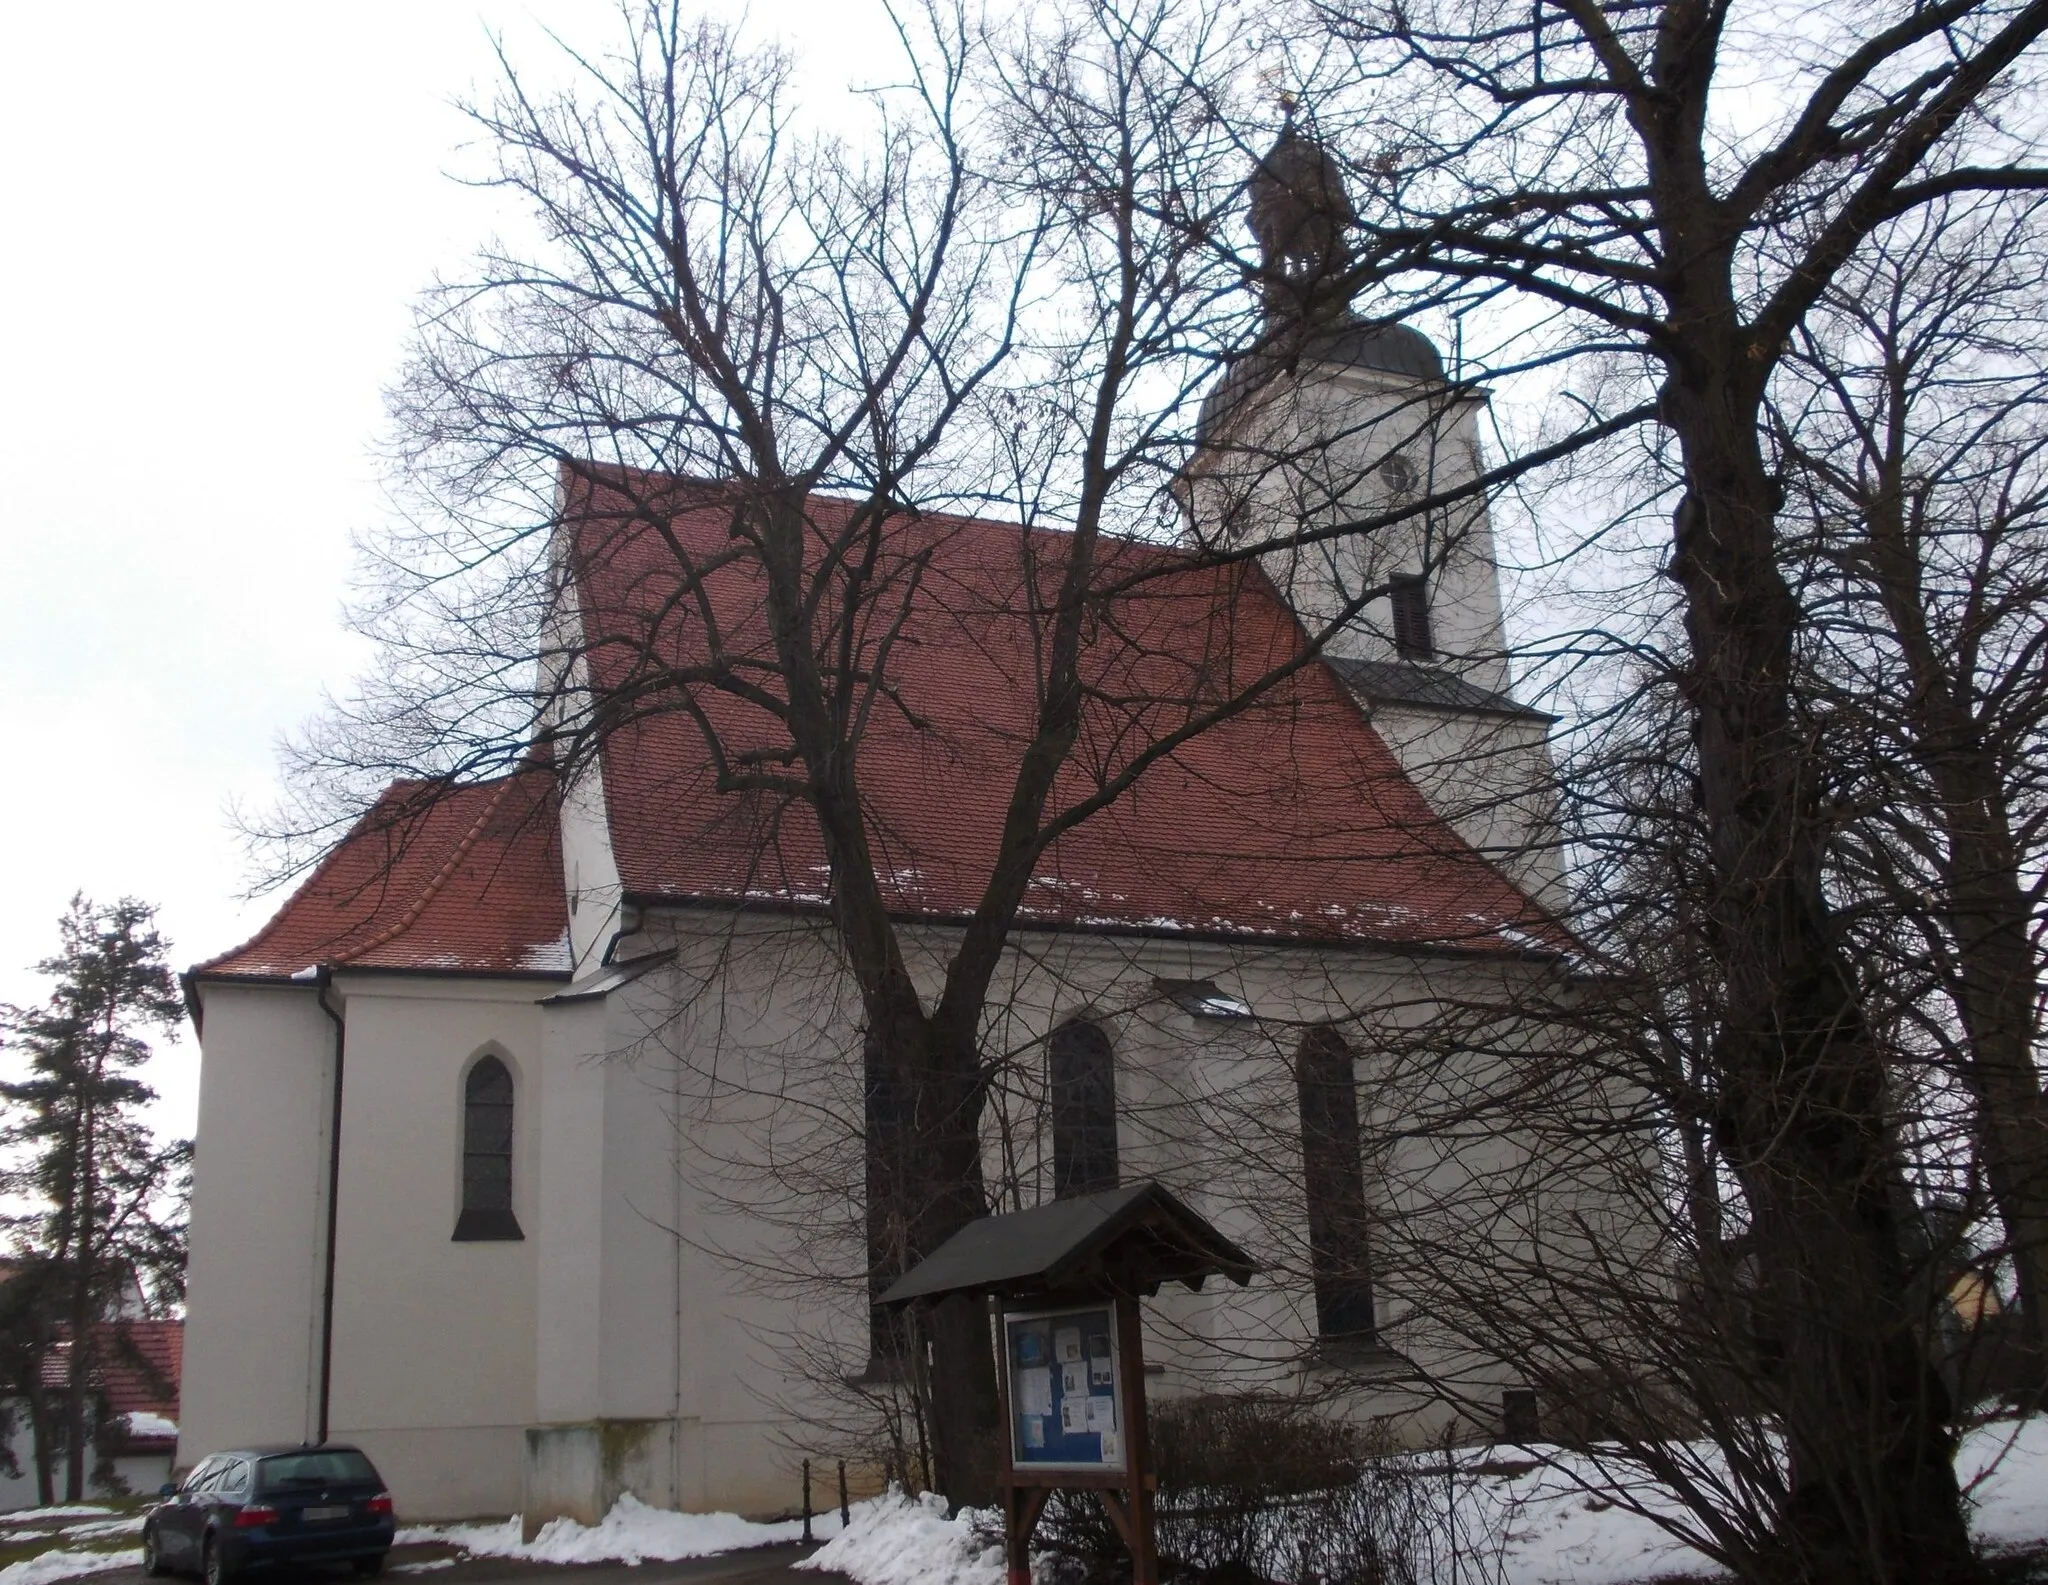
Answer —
(44, 1515)
(46, 1566)
(1555, 1531)
(899, 1540)
(2011, 1501)
(1559, 1534)
(631, 1533)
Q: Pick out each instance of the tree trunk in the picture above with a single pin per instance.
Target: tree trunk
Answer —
(77, 1389)
(1995, 962)
(924, 1176)
(43, 1431)
(1803, 1095)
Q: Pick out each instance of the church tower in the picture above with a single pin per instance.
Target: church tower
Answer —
(1333, 419)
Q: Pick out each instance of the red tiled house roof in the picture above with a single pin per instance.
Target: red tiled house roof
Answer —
(1290, 820)
(141, 1364)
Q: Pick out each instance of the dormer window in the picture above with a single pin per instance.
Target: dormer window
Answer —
(1203, 999)
(1409, 592)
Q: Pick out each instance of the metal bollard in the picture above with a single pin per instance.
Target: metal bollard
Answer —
(807, 1501)
(845, 1514)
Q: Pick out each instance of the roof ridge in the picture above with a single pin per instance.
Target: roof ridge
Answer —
(433, 887)
(721, 489)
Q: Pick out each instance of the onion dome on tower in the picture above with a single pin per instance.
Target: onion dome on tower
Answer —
(1302, 217)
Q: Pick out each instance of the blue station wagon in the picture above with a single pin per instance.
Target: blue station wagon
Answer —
(255, 1506)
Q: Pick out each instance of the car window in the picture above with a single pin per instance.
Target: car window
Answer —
(202, 1472)
(328, 1466)
(234, 1480)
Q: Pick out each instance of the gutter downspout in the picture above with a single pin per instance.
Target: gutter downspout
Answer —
(325, 981)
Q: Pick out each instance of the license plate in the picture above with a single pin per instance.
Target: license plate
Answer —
(317, 1515)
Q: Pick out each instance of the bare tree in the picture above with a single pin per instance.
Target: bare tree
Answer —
(1586, 160)
(735, 350)
(1911, 427)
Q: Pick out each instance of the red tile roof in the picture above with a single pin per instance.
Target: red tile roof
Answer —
(466, 879)
(1292, 819)
(1289, 820)
(140, 1365)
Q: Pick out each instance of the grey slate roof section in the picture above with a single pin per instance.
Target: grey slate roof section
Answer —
(1399, 682)
(1138, 1236)
(1346, 343)
(607, 979)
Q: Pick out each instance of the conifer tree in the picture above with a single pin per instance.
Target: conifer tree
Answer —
(108, 1198)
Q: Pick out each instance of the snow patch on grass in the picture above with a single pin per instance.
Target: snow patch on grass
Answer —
(64, 1564)
(101, 1529)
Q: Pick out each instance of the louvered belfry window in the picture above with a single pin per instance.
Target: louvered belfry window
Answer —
(1339, 1256)
(1409, 593)
(487, 1154)
(1083, 1085)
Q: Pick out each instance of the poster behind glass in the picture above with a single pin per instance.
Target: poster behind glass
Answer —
(1063, 1389)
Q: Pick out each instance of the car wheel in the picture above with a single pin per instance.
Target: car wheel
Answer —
(152, 1553)
(369, 1567)
(213, 1565)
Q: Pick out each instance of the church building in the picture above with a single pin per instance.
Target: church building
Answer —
(529, 1151)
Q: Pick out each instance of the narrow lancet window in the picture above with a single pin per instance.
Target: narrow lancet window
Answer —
(1339, 1256)
(487, 1154)
(1083, 1086)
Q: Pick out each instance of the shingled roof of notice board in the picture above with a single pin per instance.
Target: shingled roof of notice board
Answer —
(1129, 1240)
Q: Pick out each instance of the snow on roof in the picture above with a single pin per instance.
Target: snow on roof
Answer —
(139, 1364)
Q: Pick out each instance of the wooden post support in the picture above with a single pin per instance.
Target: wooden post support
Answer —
(1137, 1445)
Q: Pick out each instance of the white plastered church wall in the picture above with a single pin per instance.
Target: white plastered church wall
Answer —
(259, 1219)
(739, 1333)
(433, 1372)
(642, 1322)
(590, 870)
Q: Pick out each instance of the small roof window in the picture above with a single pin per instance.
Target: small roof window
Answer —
(1204, 999)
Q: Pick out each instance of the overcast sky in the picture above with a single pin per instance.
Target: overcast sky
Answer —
(216, 217)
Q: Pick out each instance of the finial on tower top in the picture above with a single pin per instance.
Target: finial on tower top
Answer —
(1300, 213)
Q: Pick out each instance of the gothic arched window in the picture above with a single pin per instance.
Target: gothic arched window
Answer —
(487, 1153)
(1339, 1256)
(1083, 1087)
